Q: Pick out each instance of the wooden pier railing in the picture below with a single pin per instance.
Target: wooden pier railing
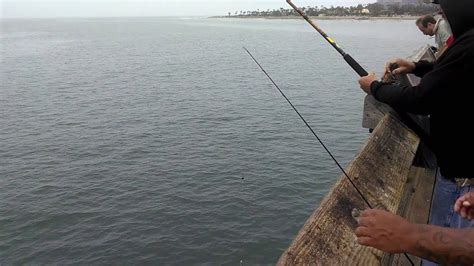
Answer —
(382, 171)
(387, 175)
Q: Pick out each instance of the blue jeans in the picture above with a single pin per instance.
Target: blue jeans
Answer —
(442, 213)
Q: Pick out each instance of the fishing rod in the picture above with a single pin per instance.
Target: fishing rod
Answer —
(362, 72)
(351, 61)
(319, 140)
(311, 129)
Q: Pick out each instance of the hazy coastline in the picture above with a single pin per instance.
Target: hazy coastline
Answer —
(324, 17)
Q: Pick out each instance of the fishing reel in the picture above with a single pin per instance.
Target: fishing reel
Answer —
(388, 77)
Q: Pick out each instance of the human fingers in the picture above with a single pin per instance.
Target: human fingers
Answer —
(365, 83)
(463, 212)
(463, 197)
(467, 211)
(398, 70)
(365, 221)
(366, 213)
(372, 75)
(362, 231)
(362, 82)
(470, 214)
(364, 240)
(402, 62)
(469, 197)
(395, 71)
(402, 66)
(462, 201)
(387, 68)
(458, 204)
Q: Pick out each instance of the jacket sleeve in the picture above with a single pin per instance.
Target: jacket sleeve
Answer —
(441, 83)
(421, 99)
(402, 97)
(422, 67)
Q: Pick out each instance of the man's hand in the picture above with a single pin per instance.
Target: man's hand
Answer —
(391, 233)
(365, 82)
(404, 66)
(465, 206)
(383, 230)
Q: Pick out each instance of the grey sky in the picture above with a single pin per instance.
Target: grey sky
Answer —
(94, 8)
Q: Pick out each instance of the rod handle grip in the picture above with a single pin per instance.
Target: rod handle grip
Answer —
(353, 63)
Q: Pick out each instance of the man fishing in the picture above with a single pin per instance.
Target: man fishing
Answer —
(444, 93)
(439, 28)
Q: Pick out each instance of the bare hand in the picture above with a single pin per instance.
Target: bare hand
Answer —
(465, 206)
(404, 66)
(383, 230)
(365, 82)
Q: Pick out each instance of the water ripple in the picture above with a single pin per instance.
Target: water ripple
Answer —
(158, 141)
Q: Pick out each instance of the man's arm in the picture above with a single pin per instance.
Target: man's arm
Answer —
(441, 51)
(417, 99)
(391, 233)
(443, 245)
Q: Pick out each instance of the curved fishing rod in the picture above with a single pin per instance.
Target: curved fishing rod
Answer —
(351, 61)
(320, 141)
(312, 131)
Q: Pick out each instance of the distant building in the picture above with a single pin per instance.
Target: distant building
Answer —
(410, 2)
(389, 2)
(398, 2)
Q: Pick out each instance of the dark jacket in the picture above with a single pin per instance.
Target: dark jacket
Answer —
(446, 93)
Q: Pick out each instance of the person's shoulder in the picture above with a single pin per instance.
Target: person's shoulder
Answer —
(444, 25)
(462, 48)
(467, 38)
(470, 33)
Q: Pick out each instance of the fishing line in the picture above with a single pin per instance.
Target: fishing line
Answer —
(312, 131)
(320, 141)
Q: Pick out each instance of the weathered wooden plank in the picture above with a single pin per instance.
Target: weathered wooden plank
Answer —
(379, 171)
(374, 111)
(424, 54)
(416, 205)
(418, 208)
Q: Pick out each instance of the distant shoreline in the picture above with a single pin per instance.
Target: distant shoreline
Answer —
(324, 17)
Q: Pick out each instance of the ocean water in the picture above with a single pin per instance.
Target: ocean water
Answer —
(159, 141)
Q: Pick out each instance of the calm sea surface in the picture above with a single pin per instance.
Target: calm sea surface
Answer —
(159, 141)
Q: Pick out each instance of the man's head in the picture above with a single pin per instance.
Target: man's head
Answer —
(426, 24)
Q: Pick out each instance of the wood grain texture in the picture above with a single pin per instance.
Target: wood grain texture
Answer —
(379, 171)
(415, 206)
(374, 111)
